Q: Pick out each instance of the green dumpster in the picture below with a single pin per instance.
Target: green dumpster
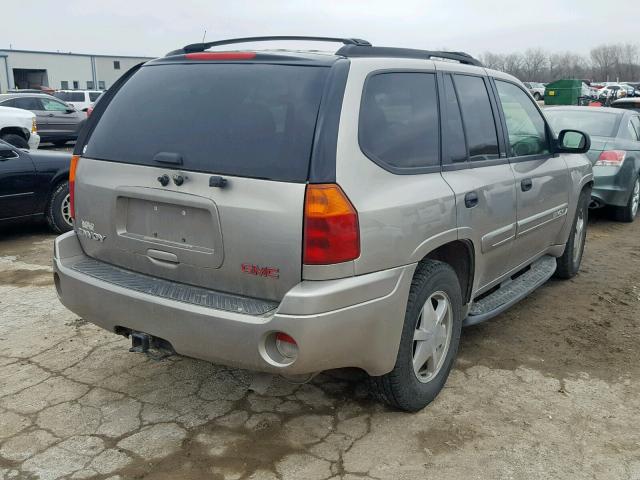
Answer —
(563, 92)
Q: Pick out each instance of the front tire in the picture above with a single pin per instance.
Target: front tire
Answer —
(629, 212)
(58, 210)
(15, 140)
(429, 341)
(569, 262)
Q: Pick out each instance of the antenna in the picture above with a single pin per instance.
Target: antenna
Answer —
(204, 35)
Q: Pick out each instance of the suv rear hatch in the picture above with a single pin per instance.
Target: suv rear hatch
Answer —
(239, 136)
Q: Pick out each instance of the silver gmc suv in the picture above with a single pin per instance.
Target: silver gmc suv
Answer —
(293, 212)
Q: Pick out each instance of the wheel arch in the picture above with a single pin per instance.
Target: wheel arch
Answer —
(16, 131)
(58, 178)
(459, 255)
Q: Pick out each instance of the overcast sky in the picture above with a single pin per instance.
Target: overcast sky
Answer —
(153, 27)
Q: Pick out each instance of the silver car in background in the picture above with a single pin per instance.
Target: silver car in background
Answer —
(57, 121)
(615, 154)
(294, 212)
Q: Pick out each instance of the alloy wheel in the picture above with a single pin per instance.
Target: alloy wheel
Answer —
(578, 241)
(65, 209)
(432, 336)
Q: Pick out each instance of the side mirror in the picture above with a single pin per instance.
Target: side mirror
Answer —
(573, 141)
(6, 152)
(70, 110)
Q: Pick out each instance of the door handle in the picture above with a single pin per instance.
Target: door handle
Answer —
(50, 115)
(526, 184)
(471, 199)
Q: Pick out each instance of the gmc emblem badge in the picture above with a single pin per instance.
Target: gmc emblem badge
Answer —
(259, 271)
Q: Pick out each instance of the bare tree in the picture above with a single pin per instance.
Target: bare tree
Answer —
(604, 63)
(534, 63)
(605, 59)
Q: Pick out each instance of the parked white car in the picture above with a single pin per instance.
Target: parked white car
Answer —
(18, 127)
(536, 89)
(80, 99)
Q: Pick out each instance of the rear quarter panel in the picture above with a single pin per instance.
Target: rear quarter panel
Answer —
(52, 168)
(580, 174)
(402, 217)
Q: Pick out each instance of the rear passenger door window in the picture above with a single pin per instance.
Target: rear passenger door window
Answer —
(27, 103)
(525, 125)
(477, 115)
(399, 125)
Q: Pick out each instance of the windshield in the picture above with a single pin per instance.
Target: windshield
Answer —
(595, 123)
(252, 120)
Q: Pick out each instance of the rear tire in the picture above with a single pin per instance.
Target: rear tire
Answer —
(537, 96)
(569, 262)
(412, 384)
(58, 214)
(15, 140)
(629, 212)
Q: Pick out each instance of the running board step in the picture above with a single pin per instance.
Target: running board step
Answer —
(512, 291)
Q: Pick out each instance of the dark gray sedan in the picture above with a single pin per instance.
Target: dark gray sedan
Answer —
(58, 122)
(615, 153)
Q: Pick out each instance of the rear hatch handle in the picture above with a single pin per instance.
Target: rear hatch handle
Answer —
(168, 157)
(158, 256)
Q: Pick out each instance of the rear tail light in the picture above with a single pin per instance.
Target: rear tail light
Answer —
(331, 231)
(89, 111)
(611, 158)
(72, 184)
(34, 125)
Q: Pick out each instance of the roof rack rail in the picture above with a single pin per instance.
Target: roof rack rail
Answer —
(351, 50)
(353, 47)
(201, 47)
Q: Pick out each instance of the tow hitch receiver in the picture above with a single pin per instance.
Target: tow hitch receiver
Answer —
(140, 342)
(154, 347)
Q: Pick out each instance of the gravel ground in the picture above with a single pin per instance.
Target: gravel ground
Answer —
(547, 390)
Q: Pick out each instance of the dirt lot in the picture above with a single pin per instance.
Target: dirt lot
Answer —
(548, 390)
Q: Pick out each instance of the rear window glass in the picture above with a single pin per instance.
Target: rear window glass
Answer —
(595, 123)
(627, 105)
(70, 96)
(249, 120)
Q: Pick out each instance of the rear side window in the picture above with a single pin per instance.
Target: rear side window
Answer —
(249, 120)
(28, 103)
(477, 115)
(70, 96)
(93, 96)
(398, 126)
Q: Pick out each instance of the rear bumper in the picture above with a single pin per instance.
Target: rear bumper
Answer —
(351, 322)
(611, 187)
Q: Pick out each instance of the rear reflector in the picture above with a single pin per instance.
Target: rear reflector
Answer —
(611, 158)
(286, 346)
(221, 56)
(331, 230)
(72, 184)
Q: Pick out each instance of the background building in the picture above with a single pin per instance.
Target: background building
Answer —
(61, 71)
